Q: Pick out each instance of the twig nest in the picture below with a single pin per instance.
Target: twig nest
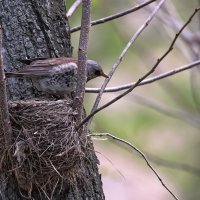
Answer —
(46, 143)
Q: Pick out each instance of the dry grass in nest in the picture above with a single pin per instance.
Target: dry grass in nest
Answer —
(47, 148)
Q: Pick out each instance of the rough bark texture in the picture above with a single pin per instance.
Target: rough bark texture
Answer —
(32, 28)
(38, 28)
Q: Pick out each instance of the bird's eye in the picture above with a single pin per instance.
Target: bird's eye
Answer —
(98, 73)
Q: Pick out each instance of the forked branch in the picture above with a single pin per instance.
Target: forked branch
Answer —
(118, 61)
(145, 75)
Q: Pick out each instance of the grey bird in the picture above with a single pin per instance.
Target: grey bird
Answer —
(56, 76)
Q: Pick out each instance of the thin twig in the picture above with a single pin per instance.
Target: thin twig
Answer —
(148, 80)
(145, 75)
(175, 21)
(5, 126)
(141, 153)
(115, 16)
(115, 66)
(170, 17)
(82, 57)
(188, 44)
(73, 8)
(167, 85)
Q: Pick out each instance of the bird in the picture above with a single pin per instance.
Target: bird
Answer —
(56, 76)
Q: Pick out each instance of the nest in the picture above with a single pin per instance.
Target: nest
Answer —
(47, 148)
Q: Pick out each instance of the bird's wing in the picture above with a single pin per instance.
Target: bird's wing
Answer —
(45, 67)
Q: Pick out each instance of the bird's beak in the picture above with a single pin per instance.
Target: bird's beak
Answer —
(104, 75)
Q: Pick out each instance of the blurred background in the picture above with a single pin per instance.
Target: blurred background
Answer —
(162, 118)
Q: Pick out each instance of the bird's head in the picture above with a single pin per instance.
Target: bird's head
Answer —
(94, 70)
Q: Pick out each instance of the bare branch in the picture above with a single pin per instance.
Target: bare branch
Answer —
(183, 47)
(170, 17)
(170, 12)
(115, 16)
(82, 57)
(144, 76)
(115, 66)
(141, 153)
(5, 126)
(146, 81)
(73, 8)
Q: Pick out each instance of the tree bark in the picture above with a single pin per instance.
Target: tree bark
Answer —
(39, 28)
(32, 28)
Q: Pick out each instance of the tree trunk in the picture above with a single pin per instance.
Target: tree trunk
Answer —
(39, 28)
